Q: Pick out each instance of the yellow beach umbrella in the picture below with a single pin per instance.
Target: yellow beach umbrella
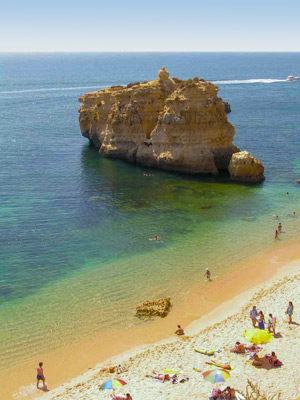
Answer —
(257, 336)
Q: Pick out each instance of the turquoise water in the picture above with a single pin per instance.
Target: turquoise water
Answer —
(75, 227)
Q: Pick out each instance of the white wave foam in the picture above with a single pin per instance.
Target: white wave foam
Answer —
(239, 81)
(52, 89)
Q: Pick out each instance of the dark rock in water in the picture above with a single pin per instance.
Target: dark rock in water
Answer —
(159, 307)
(227, 107)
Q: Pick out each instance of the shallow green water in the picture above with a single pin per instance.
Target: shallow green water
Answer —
(75, 228)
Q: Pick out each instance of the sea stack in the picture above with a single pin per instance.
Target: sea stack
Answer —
(172, 124)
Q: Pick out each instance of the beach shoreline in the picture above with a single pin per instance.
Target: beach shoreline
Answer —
(217, 305)
(142, 359)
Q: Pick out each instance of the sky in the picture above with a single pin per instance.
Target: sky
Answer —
(154, 25)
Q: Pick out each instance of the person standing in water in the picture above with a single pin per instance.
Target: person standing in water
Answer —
(276, 234)
(40, 375)
(279, 227)
(207, 274)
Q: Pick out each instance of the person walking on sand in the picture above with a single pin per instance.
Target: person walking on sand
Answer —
(207, 274)
(253, 315)
(290, 311)
(272, 324)
(40, 375)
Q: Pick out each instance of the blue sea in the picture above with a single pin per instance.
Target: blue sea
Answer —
(75, 228)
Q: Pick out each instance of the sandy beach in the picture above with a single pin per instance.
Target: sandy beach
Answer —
(219, 329)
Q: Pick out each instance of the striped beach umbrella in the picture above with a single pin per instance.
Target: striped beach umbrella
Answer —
(113, 384)
(216, 375)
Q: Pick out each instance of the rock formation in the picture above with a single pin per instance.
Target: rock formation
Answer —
(227, 107)
(244, 167)
(159, 307)
(165, 123)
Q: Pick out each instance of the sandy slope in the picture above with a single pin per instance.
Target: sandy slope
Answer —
(179, 354)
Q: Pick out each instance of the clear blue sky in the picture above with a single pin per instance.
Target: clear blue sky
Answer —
(154, 25)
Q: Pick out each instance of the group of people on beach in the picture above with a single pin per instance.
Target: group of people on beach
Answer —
(258, 318)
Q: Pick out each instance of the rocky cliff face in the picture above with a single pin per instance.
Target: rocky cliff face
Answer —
(166, 123)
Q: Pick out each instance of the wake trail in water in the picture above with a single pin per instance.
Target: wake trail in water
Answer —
(52, 89)
(240, 81)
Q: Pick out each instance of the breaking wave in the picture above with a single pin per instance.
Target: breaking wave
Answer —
(239, 81)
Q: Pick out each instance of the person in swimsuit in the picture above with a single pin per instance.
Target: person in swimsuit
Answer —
(238, 348)
(40, 375)
(229, 393)
(160, 377)
(272, 323)
(290, 311)
(127, 397)
(207, 274)
(216, 364)
(261, 320)
(276, 234)
(179, 331)
(279, 227)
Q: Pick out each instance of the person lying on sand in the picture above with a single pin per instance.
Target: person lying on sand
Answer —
(121, 369)
(266, 361)
(273, 360)
(159, 377)
(238, 348)
(127, 397)
(179, 331)
(253, 347)
(229, 393)
(215, 364)
(257, 361)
